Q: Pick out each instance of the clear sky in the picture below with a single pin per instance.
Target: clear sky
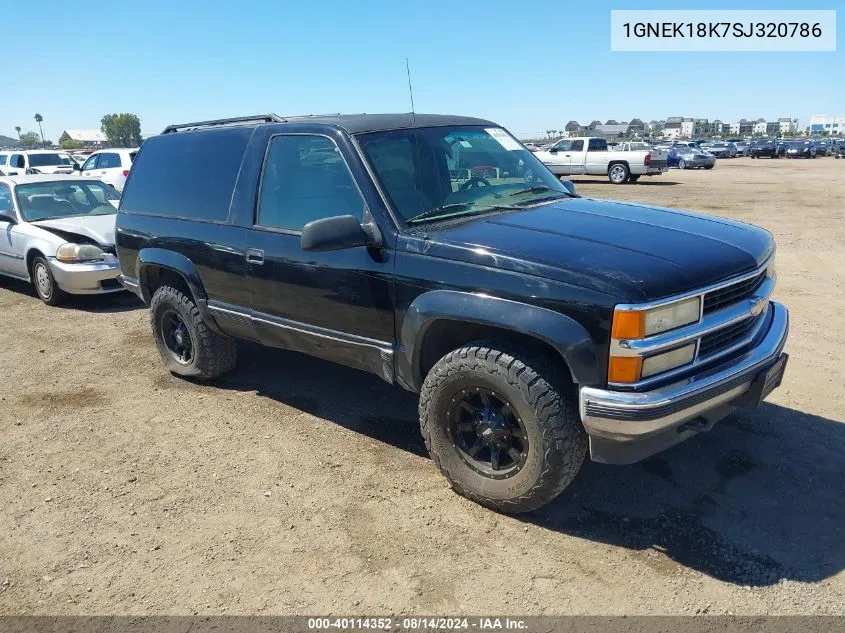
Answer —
(529, 65)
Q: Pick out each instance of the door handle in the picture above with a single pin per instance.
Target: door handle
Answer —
(254, 256)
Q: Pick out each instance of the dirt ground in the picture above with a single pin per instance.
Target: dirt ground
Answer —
(297, 486)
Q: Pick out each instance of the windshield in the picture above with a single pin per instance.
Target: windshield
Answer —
(48, 200)
(48, 160)
(434, 173)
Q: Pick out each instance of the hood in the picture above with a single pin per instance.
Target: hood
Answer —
(644, 252)
(99, 228)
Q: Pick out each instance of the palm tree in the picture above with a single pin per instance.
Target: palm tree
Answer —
(38, 119)
(18, 130)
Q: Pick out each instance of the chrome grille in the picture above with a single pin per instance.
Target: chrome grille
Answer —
(721, 297)
(720, 340)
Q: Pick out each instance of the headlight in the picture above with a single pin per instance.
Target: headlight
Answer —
(668, 360)
(638, 324)
(629, 324)
(76, 253)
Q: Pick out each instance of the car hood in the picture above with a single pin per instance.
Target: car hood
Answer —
(644, 252)
(99, 228)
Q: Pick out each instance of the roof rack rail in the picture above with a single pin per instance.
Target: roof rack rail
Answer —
(258, 118)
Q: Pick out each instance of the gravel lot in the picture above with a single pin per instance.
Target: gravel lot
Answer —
(296, 486)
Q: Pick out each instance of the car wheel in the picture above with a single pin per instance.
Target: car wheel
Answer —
(44, 283)
(618, 173)
(502, 426)
(682, 164)
(708, 167)
(187, 345)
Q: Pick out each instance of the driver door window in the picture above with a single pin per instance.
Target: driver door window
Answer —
(91, 163)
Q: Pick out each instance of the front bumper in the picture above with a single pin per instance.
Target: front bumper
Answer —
(625, 427)
(92, 278)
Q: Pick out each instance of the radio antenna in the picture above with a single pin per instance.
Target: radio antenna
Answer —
(410, 90)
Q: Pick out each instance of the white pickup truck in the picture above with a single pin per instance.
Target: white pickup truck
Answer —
(589, 155)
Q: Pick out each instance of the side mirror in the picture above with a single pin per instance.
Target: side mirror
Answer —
(570, 186)
(553, 150)
(77, 166)
(8, 216)
(335, 233)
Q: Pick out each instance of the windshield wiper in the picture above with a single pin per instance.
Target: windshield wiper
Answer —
(438, 211)
(534, 189)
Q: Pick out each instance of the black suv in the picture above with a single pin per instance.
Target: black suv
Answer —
(767, 147)
(438, 253)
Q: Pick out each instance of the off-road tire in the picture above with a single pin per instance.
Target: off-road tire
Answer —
(48, 291)
(539, 391)
(213, 353)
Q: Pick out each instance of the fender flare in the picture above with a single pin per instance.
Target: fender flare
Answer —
(182, 266)
(564, 334)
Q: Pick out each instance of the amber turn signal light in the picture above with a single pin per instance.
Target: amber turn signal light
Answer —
(628, 324)
(624, 368)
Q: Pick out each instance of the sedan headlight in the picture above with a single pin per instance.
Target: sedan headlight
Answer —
(76, 253)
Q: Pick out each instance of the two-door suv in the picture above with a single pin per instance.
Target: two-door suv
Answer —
(438, 253)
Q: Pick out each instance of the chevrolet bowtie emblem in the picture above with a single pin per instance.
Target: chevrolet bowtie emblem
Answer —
(757, 305)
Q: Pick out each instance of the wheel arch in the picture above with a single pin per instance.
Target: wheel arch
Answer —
(157, 267)
(442, 320)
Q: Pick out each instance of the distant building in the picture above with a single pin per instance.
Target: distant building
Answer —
(573, 128)
(89, 138)
(672, 129)
(743, 127)
(787, 126)
(824, 123)
(612, 131)
(759, 127)
(717, 128)
(8, 141)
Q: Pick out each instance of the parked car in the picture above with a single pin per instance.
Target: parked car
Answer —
(684, 157)
(743, 148)
(721, 149)
(21, 162)
(530, 320)
(839, 149)
(109, 165)
(590, 155)
(58, 233)
(801, 149)
(824, 147)
(767, 147)
(79, 159)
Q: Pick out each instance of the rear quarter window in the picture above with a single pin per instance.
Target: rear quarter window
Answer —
(187, 174)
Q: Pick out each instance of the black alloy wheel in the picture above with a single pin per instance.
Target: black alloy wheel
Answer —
(488, 434)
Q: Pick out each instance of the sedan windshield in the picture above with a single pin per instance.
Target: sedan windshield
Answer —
(64, 199)
(48, 160)
(431, 174)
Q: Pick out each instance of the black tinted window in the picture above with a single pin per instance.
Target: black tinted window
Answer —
(109, 161)
(187, 174)
(305, 179)
(3, 159)
(597, 145)
(577, 146)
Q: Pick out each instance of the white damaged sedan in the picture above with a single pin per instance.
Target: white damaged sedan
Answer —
(58, 233)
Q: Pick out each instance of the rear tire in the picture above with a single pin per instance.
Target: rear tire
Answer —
(682, 164)
(530, 420)
(45, 285)
(188, 347)
(618, 173)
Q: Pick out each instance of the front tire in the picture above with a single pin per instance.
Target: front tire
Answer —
(501, 427)
(618, 174)
(682, 164)
(188, 347)
(44, 283)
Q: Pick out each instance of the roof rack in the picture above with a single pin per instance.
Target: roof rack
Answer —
(258, 118)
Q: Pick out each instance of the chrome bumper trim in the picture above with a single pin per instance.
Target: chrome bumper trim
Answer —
(628, 416)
